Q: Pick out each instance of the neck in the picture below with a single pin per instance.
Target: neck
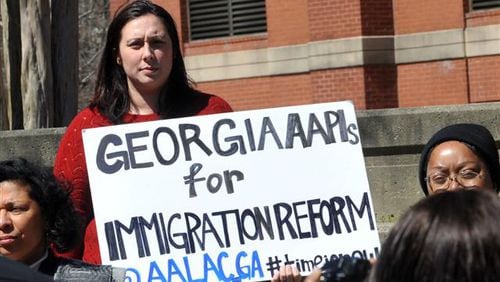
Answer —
(143, 102)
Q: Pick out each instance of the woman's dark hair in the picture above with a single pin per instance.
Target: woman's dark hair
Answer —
(450, 236)
(61, 220)
(111, 95)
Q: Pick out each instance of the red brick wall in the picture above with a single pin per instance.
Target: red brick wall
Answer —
(262, 92)
(379, 90)
(301, 21)
(381, 86)
(432, 83)
(484, 78)
(334, 19)
(480, 18)
(339, 84)
(230, 44)
(287, 22)
(368, 87)
(411, 16)
(174, 7)
(377, 17)
(114, 5)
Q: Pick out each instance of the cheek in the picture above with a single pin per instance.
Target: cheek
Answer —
(33, 229)
(129, 58)
(165, 56)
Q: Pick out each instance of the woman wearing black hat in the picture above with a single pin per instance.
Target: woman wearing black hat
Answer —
(457, 156)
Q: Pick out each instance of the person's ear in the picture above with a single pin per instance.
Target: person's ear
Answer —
(119, 61)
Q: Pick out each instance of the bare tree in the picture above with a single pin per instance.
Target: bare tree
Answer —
(4, 121)
(93, 22)
(11, 45)
(41, 64)
(40, 48)
(36, 67)
(65, 60)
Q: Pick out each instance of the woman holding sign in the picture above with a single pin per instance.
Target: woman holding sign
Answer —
(141, 77)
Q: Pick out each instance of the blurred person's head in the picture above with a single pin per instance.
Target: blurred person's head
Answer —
(449, 236)
(35, 212)
(142, 54)
(458, 156)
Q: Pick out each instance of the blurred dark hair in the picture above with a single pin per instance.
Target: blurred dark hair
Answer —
(61, 220)
(111, 95)
(345, 269)
(450, 236)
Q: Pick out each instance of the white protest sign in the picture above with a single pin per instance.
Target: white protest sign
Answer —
(231, 196)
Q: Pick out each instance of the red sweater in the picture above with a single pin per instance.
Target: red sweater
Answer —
(70, 167)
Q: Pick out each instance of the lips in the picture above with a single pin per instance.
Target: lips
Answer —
(149, 68)
(7, 240)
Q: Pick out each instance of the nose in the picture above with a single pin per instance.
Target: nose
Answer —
(455, 184)
(5, 220)
(148, 53)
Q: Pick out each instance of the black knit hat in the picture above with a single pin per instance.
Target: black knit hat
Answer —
(473, 134)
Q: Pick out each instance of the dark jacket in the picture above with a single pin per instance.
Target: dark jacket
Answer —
(13, 271)
(63, 269)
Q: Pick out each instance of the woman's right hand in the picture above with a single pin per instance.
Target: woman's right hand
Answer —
(315, 276)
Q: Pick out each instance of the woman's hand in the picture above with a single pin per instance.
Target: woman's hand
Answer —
(315, 276)
(287, 273)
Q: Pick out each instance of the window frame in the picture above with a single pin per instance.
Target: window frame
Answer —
(232, 26)
(473, 6)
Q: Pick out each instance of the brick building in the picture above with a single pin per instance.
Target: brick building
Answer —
(378, 53)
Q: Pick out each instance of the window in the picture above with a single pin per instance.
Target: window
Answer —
(222, 18)
(484, 4)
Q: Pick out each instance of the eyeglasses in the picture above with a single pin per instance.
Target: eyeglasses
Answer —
(440, 181)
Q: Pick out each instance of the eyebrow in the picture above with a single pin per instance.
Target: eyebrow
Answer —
(459, 165)
(162, 36)
(12, 203)
(141, 39)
